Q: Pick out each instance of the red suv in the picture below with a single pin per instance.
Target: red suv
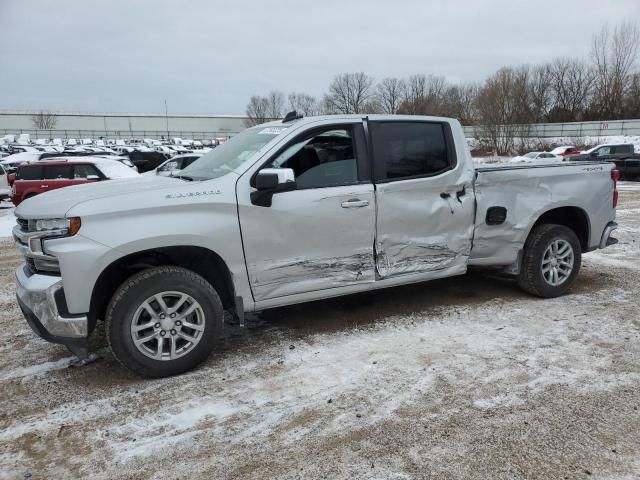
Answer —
(44, 175)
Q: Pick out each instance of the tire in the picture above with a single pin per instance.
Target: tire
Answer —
(542, 238)
(145, 344)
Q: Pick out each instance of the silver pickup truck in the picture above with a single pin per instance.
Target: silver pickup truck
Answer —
(292, 211)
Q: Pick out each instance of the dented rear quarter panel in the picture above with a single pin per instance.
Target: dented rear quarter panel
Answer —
(529, 192)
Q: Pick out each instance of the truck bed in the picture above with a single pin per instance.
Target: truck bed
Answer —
(530, 190)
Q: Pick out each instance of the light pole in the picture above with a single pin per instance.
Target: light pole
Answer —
(166, 117)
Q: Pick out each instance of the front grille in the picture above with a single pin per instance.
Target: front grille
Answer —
(31, 264)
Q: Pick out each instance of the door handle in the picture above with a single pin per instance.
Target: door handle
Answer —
(355, 203)
(44, 186)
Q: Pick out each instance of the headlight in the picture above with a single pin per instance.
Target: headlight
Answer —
(61, 226)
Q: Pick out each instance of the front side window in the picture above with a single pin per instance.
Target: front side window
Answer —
(409, 149)
(604, 151)
(57, 172)
(322, 159)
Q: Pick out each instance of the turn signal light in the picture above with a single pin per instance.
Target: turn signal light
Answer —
(74, 225)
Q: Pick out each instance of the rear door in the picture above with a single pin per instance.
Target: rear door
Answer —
(424, 198)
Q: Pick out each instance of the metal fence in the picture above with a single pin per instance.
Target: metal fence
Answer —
(572, 129)
(117, 134)
(537, 130)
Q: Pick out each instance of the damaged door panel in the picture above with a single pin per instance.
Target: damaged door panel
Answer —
(320, 235)
(425, 204)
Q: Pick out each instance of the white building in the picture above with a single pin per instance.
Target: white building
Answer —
(124, 125)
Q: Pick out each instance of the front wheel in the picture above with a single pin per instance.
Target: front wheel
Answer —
(163, 321)
(551, 261)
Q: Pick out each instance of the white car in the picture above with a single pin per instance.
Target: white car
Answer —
(5, 189)
(118, 158)
(174, 166)
(537, 156)
(12, 162)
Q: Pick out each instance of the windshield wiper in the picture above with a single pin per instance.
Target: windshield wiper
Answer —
(183, 177)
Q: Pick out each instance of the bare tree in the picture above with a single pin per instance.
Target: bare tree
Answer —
(349, 93)
(540, 92)
(257, 110)
(571, 85)
(503, 108)
(632, 102)
(275, 103)
(304, 104)
(614, 54)
(44, 120)
(459, 102)
(424, 95)
(263, 109)
(390, 93)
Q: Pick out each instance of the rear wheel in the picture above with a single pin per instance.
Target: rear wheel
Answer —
(163, 321)
(551, 261)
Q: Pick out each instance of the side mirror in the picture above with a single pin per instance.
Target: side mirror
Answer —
(270, 181)
(93, 178)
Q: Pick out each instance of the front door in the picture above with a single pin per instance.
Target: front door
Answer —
(425, 203)
(319, 236)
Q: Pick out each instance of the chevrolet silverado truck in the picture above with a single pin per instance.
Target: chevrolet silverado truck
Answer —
(293, 211)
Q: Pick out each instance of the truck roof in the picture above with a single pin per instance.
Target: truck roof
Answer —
(375, 117)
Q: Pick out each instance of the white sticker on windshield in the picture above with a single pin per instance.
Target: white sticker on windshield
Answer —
(272, 130)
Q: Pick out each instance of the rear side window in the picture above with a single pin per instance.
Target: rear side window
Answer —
(57, 172)
(623, 149)
(405, 150)
(31, 172)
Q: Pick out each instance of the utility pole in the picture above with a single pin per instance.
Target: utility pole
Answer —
(166, 116)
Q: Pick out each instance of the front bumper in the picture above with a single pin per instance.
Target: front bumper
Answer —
(41, 302)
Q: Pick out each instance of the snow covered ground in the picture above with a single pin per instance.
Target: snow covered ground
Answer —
(463, 378)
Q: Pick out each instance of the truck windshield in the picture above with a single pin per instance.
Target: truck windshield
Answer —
(231, 154)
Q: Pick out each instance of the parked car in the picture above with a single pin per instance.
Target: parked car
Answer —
(5, 188)
(122, 159)
(35, 178)
(12, 162)
(175, 165)
(537, 156)
(623, 155)
(293, 211)
(565, 151)
(145, 160)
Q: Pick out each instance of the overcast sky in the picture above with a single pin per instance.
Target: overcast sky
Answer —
(211, 56)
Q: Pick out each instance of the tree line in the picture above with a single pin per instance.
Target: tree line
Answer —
(603, 86)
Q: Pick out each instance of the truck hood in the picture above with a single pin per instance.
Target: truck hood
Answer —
(57, 203)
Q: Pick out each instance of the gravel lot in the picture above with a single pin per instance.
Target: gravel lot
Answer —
(456, 379)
